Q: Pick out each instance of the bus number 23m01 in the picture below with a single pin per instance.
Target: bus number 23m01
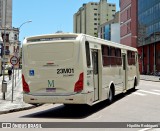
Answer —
(65, 71)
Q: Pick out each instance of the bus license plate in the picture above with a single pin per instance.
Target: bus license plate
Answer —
(50, 89)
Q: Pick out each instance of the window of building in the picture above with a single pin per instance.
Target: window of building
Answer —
(95, 34)
(7, 37)
(7, 47)
(128, 27)
(15, 37)
(129, 13)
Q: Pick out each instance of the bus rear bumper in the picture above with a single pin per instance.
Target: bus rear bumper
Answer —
(78, 98)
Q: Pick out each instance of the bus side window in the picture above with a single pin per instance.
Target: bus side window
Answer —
(87, 54)
(113, 56)
(106, 55)
(118, 57)
(131, 58)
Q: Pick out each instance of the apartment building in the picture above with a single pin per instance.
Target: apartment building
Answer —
(91, 15)
(110, 30)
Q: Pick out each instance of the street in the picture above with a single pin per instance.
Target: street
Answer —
(140, 106)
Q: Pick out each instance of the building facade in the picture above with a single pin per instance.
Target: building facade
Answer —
(9, 34)
(91, 15)
(140, 28)
(149, 35)
(6, 9)
(128, 20)
(110, 30)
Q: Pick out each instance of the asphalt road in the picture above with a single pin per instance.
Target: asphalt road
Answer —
(142, 105)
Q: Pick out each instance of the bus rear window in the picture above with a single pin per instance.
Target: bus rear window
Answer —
(50, 51)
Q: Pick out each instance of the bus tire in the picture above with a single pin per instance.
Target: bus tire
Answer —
(111, 95)
(135, 84)
(36, 104)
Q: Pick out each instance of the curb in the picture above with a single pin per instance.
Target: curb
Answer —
(150, 80)
(16, 110)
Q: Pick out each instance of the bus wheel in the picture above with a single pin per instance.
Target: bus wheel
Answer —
(111, 95)
(135, 84)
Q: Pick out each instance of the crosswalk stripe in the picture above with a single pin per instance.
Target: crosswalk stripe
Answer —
(155, 93)
(137, 93)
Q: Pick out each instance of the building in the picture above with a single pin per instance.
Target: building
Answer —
(9, 34)
(149, 35)
(140, 27)
(128, 20)
(91, 15)
(110, 30)
(8, 10)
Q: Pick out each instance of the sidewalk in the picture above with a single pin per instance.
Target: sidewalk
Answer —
(150, 78)
(7, 105)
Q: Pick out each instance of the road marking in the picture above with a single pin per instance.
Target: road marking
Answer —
(157, 90)
(137, 93)
(145, 129)
(149, 92)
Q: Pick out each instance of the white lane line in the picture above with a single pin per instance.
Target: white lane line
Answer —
(145, 129)
(137, 93)
(149, 92)
(157, 90)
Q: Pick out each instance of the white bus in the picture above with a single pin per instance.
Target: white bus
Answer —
(73, 68)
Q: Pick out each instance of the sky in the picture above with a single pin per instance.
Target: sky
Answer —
(47, 16)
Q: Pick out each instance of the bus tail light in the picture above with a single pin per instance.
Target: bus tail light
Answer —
(79, 84)
(25, 85)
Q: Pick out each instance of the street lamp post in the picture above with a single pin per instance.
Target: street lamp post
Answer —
(4, 84)
(18, 37)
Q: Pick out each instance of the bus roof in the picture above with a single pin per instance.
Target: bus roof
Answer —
(74, 36)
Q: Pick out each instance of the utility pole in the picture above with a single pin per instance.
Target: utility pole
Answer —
(4, 83)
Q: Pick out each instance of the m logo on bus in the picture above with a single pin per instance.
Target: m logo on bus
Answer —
(50, 83)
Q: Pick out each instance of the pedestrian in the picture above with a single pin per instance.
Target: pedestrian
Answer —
(10, 73)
